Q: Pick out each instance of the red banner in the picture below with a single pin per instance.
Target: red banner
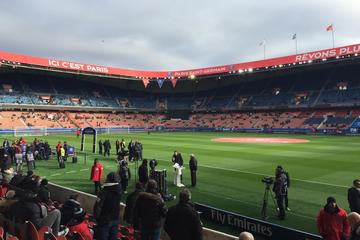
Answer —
(173, 81)
(146, 82)
(81, 67)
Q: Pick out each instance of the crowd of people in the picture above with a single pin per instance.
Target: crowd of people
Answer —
(231, 120)
(333, 223)
(145, 208)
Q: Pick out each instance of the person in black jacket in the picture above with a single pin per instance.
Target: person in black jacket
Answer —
(193, 169)
(125, 175)
(152, 164)
(107, 147)
(138, 149)
(131, 201)
(100, 147)
(177, 158)
(117, 146)
(28, 208)
(182, 220)
(280, 190)
(354, 196)
(70, 207)
(131, 150)
(143, 172)
(44, 193)
(149, 211)
(107, 208)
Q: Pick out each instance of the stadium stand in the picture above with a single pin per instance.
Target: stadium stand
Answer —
(317, 96)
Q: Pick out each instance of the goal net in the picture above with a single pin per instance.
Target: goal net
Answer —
(115, 129)
(35, 131)
(120, 129)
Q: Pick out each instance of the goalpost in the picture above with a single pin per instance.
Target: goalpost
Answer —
(31, 131)
(119, 129)
(115, 129)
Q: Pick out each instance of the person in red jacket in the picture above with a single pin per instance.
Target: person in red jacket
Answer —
(332, 222)
(78, 132)
(97, 172)
(58, 150)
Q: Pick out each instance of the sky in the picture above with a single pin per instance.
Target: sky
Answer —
(173, 34)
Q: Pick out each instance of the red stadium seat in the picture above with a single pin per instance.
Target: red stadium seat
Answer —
(32, 232)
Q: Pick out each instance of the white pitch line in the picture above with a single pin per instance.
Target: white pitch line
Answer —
(253, 204)
(85, 169)
(261, 174)
(55, 174)
(71, 172)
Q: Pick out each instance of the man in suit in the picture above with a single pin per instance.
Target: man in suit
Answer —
(193, 169)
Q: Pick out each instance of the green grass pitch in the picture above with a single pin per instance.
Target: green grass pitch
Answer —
(229, 175)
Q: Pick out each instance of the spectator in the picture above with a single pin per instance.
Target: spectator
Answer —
(182, 220)
(143, 172)
(354, 196)
(107, 147)
(30, 209)
(148, 212)
(246, 236)
(107, 208)
(177, 158)
(131, 150)
(122, 145)
(69, 208)
(131, 201)
(117, 146)
(97, 172)
(125, 175)
(44, 193)
(354, 221)
(78, 132)
(332, 222)
(100, 147)
(193, 169)
(138, 149)
(73, 216)
(58, 150)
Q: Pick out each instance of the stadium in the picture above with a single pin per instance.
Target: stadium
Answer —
(240, 120)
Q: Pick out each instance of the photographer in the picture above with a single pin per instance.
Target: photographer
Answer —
(280, 190)
(287, 187)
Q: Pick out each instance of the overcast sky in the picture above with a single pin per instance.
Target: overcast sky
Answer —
(173, 34)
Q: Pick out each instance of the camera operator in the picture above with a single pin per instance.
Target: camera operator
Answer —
(280, 190)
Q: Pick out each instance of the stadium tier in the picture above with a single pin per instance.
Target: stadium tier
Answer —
(320, 93)
(307, 93)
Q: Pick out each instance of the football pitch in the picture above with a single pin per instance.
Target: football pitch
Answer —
(229, 173)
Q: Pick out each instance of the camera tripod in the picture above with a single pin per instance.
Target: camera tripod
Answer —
(266, 200)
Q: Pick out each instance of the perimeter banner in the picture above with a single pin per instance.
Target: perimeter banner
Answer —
(260, 228)
(82, 67)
